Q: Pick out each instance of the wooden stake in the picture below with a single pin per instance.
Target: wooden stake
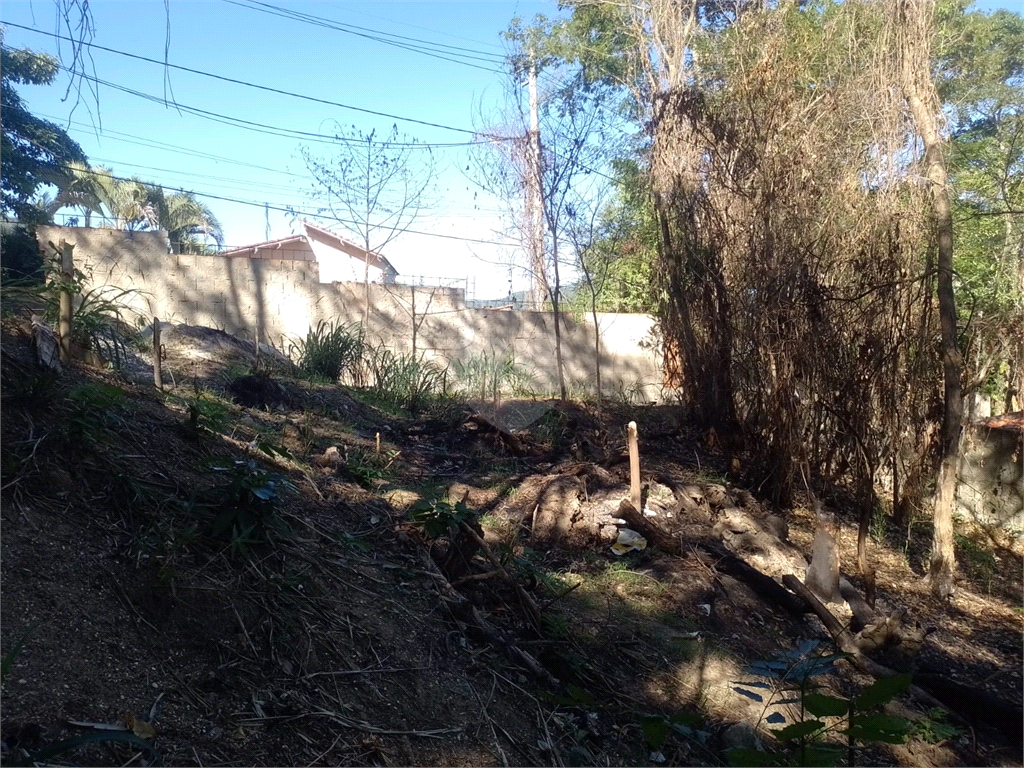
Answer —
(634, 466)
(158, 372)
(67, 271)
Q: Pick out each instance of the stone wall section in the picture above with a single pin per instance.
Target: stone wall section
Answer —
(280, 299)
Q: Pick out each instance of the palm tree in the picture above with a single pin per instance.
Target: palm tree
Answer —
(80, 189)
(135, 205)
(189, 222)
(130, 202)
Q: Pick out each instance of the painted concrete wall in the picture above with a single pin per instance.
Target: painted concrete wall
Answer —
(991, 488)
(280, 299)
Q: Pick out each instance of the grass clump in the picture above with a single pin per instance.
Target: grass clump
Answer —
(329, 350)
(99, 319)
(400, 382)
(486, 376)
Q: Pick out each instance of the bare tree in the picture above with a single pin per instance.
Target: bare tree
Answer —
(916, 29)
(583, 230)
(374, 187)
(544, 158)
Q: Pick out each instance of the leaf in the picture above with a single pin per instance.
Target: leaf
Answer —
(141, 728)
(752, 757)
(45, 754)
(820, 705)
(883, 690)
(879, 728)
(265, 492)
(775, 718)
(684, 718)
(749, 694)
(823, 755)
(808, 668)
(798, 730)
(874, 736)
(655, 730)
(12, 655)
(580, 695)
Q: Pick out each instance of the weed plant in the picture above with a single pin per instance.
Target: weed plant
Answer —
(400, 382)
(330, 350)
(976, 560)
(247, 509)
(791, 680)
(94, 409)
(485, 376)
(99, 318)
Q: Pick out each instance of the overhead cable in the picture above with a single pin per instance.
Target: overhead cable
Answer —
(247, 84)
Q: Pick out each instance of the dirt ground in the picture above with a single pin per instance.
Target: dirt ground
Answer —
(331, 629)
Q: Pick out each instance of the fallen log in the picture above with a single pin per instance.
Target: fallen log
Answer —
(463, 610)
(975, 704)
(514, 444)
(968, 705)
(717, 556)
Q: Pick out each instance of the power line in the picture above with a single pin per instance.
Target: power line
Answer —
(153, 144)
(416, 45)
(251, 125)
(275, 130)
(425, 29)
(164, 146)
(245, 83)
(280, 187)
(291, 210)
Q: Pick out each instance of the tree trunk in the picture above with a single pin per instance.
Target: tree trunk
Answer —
(563, 394)
(916, 20)
(696, 315)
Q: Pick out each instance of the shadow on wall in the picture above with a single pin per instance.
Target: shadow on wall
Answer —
(280, 300)
(991, 487)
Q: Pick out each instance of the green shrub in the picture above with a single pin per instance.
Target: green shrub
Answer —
(484, 376)
(246, 509)
(95, 409)
(99, 319)
(403, 382)
(789, 679)
(439, 517)
(329, 350)
(976, 560)
(20, 257)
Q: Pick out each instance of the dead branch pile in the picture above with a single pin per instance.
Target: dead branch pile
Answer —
(794, 248)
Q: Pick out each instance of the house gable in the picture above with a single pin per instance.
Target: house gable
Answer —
(339, 260)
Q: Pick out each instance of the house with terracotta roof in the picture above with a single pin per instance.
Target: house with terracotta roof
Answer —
(339, 260)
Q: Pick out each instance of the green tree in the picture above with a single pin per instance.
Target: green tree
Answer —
(133, 204)
(79, 189)
(35, 152)
(189, 222)
(979, 67)
(622, 258)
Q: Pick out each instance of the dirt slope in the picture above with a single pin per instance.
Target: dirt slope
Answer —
(182, 559)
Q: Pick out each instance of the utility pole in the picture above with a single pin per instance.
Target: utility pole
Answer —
(535, 197)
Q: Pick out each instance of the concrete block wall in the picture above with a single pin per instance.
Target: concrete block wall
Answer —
(282, 298)
(991, 485)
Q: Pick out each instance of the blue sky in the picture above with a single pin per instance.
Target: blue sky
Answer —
(158, 143)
